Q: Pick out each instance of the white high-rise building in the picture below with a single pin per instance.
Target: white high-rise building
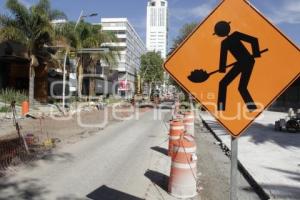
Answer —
(130, 47)
(157, 26)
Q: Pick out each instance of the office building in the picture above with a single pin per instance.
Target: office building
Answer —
(157, 26)
(131, 48)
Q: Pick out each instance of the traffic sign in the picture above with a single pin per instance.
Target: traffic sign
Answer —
(235, 63)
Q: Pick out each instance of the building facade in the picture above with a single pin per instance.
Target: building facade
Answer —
(131, 48)
(157, 26)
(289, 99)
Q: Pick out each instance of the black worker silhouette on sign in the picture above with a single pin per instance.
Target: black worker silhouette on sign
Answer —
(245, 61)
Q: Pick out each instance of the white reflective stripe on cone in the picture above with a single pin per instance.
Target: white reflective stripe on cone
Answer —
(187, 150)
(180, 192)
(177, 128)
(189, 138)
(189, 117)
(189, 124)
(184, 166)
(174, 137)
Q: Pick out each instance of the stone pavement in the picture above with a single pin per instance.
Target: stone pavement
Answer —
(272, 158)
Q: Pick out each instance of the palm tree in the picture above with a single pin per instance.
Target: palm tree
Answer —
(31, 27)
(86, 35)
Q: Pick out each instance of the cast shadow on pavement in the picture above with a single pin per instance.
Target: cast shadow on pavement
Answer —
(160, 150)
(290, 174)
(106, 193)
(158, 179)
(51, 157)
(25, 189)
(260, 134)
(282, 191)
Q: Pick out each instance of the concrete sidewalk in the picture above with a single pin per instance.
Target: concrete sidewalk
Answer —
(272, 158)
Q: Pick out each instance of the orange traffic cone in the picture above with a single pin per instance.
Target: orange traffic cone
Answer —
(25, 108)
(183, 180)
(178, 117)
(176, 131)
(176, 108)
(189, 123)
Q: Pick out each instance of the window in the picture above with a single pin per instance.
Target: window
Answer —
(122, 39)
(99, 68)
(163, 4)
(153, 4)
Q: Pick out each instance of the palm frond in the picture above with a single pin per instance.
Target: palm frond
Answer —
(6, 21)
(14, 34)
(19, 11)
(42, 7)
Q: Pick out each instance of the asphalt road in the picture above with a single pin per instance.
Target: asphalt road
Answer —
(125, 161)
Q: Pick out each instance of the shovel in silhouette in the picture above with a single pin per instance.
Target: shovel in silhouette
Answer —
(200, 75)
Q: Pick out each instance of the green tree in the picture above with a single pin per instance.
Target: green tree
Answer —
(31, 27)
(184, 32)
(151, 69)
(86, 35)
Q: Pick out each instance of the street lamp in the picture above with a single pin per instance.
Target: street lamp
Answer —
(81, 16)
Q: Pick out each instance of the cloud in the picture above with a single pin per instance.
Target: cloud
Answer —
(196, 12)
(286, 12)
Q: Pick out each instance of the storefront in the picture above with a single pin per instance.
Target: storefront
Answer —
(124, 89)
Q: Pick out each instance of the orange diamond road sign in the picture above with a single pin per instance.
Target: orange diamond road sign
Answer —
(236, 63)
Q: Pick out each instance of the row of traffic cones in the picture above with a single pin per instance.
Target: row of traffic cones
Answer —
(182, 150)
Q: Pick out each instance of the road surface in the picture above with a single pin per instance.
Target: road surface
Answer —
(120, 162)
(125, 161)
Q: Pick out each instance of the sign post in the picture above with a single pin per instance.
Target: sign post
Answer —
(234, 169)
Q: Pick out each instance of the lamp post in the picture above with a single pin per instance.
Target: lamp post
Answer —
(81, 16)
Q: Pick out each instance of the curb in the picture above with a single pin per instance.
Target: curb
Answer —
(257, 188)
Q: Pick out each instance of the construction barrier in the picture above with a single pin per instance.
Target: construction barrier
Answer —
(30, 139)
(176, 108)
(176, 131)
(11, 149)
(183, 177)
(25, 108)
(189, 123)
(178, 117)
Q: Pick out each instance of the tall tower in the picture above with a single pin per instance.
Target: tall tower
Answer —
(157, 26)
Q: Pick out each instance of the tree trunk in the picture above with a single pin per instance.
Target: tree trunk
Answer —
(31, 84)
(92, 82)
(150, 89)
(33, 63)
(92, 88)
(79, 77)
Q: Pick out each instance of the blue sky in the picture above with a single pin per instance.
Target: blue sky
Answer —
(285, 14)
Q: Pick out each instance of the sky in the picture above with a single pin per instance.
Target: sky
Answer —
(285, 14)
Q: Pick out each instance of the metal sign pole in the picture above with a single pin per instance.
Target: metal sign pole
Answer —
(234, 168)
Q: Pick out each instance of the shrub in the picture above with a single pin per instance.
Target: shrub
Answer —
(5, 109)
(8, 95)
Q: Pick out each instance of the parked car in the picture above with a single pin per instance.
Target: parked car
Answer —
(290, 124)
